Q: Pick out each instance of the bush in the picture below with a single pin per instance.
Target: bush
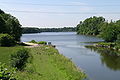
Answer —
(117, 47)
(118, 39)
(42, 42)
(6, 40)
(6, 74)
(33, 41)
(19, 59)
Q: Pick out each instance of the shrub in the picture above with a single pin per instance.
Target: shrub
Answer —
(42, 42)
(6, 40)
(118, 39)
(6, 74)
(33, 41)
(117, 47)
(19, 59)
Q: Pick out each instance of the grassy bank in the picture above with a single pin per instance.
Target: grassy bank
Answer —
(106, 45)
(46, 64)
(109, 52)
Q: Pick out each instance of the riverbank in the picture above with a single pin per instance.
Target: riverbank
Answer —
(46, 64)
(106, 45)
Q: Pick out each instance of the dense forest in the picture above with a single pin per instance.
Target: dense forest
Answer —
(38, 30)
(109, 31)
(10, 29)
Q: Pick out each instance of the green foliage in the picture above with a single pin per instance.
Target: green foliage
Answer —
(6, 40)
(64, 29)
(6, 74)
(106, 43)
(32, 41)
(2, 25)
(42, 42)
(48, 64)
(30, 30)
(19, 59)
(38, 30)
(10, 25)
(98, 26)
(5, 53)
(1, 12)
(110, 33)
(118, 39)
(117, 47)
(91, 26)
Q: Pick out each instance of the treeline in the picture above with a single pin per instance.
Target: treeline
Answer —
(109, 31)
(10, 29)
(30, 30)
(38, 30)
(10, 25)
(65, 29)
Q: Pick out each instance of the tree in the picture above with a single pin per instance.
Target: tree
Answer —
(14, 28)
(1, 12)
(110, 32)
(90, 26)
(10, 25)
(98, 26)
(2, 25)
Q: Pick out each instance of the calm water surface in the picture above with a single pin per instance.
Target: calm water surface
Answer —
(97, 65)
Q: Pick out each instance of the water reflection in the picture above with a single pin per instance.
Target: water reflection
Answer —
(108, 57)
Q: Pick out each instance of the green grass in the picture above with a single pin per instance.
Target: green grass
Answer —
(45, 64)
(106, 43)
(48, 64)
(5, 53)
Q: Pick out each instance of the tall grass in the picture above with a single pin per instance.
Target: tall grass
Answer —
(5, 53)
(48, 64)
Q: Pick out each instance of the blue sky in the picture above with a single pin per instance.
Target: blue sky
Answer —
(32, 16)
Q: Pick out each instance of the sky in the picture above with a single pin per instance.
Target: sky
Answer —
(59, 13)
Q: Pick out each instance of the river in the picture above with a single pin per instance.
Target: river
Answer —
(96, 65)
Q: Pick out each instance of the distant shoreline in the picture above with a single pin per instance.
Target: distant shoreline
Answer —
(39, 30)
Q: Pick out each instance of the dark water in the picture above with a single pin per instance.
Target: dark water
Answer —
(97, 64)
